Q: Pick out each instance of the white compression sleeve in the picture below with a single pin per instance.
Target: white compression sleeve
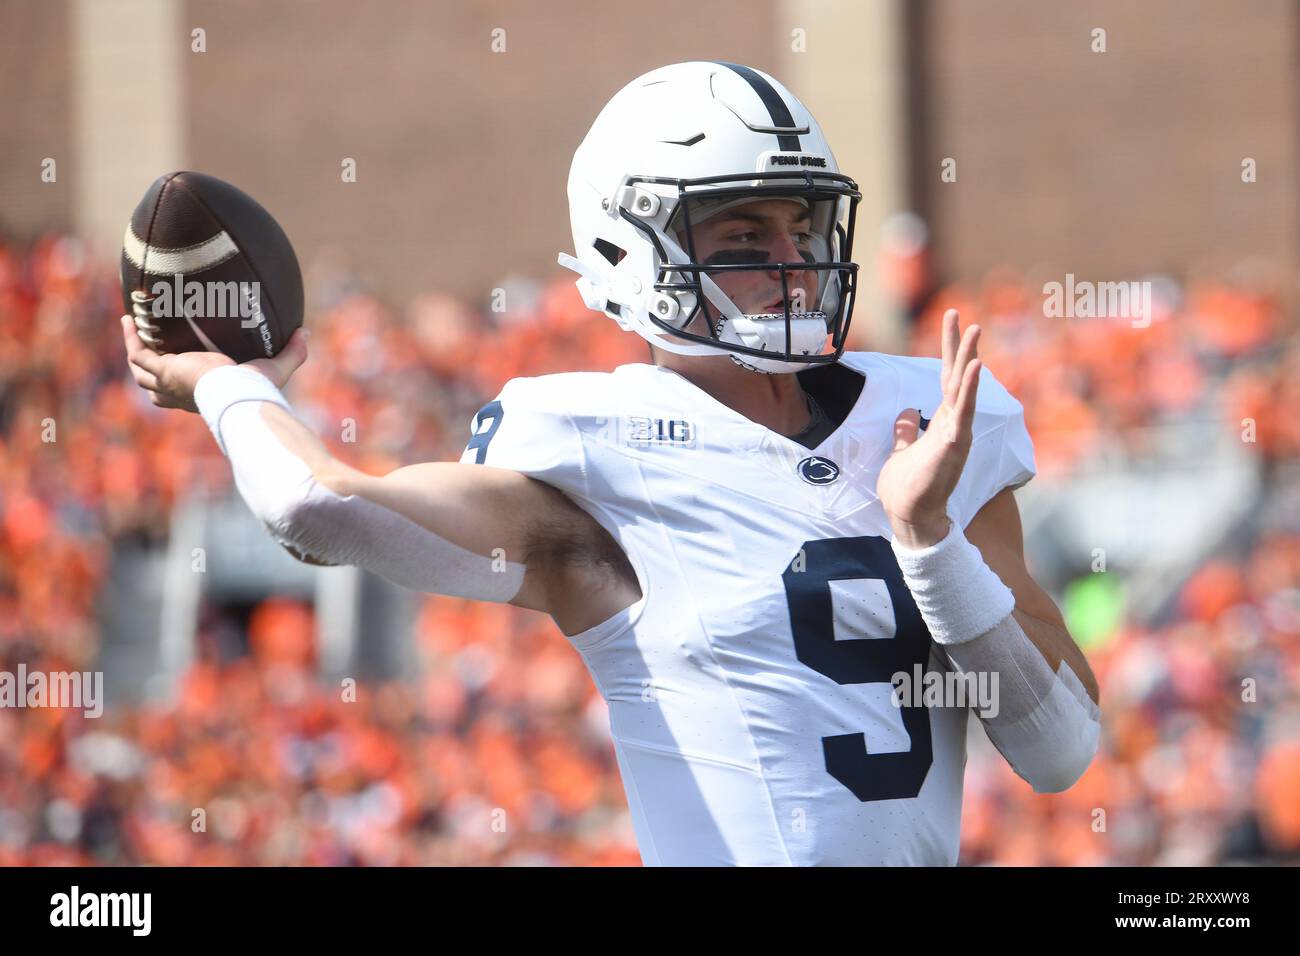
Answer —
(1046, 725)
(307, 516)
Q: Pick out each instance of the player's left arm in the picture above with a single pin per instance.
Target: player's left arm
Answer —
(996, 531)
(972, 589)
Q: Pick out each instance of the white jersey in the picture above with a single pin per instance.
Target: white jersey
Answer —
(749, 688)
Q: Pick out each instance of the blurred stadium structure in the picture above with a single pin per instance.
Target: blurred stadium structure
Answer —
(1165, 518)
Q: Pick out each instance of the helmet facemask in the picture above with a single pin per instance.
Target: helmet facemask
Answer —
(685, 289)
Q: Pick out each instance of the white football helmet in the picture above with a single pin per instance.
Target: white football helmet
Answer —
(691, 139)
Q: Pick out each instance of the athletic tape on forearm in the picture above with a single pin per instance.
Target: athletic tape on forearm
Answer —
(958, 595)
(316, 522)
(1043, 723)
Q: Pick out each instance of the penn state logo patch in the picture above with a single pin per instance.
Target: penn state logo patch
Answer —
(818, 471)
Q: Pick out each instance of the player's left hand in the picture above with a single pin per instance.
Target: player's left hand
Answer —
(920, 475)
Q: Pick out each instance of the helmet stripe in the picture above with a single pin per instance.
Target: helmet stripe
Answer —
(776, 107)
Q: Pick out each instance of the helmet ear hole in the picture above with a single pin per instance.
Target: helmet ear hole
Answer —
(612, 253)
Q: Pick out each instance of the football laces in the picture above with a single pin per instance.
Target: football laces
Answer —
(149, 332)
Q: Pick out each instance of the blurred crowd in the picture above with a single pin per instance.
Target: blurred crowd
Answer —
(496, 751)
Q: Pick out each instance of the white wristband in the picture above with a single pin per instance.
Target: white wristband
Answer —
(219, 388)
(957, 593)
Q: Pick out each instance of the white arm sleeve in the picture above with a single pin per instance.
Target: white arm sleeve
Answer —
(1045, 724)
(311, 519)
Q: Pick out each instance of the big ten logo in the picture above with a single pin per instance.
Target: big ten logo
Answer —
(659, 431)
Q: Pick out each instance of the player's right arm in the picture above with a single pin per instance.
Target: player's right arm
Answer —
(443, 527)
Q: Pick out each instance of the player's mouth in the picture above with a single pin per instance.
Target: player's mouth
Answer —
(777, 305)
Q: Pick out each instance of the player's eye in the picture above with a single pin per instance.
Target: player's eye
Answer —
(800, 238)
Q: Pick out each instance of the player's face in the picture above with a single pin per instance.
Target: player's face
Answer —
(765, 230)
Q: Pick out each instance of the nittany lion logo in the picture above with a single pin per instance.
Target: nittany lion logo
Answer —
(818, 471)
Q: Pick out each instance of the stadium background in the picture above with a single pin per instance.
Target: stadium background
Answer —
(1167, 453)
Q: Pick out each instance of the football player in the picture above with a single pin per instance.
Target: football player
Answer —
(748, 539)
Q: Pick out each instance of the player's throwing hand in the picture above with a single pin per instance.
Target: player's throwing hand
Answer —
(170, 379)
(920, 475)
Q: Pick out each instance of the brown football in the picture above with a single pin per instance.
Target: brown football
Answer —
(204, 267)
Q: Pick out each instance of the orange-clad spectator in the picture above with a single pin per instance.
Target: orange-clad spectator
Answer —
(1278, 794)
(1231, 322)
(1214, 588)
(281, 633)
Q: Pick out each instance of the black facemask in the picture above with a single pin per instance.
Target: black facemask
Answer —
(833, 264)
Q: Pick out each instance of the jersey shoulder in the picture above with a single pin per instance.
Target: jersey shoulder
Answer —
(540, 425)
(559, 392)
(918, 386)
